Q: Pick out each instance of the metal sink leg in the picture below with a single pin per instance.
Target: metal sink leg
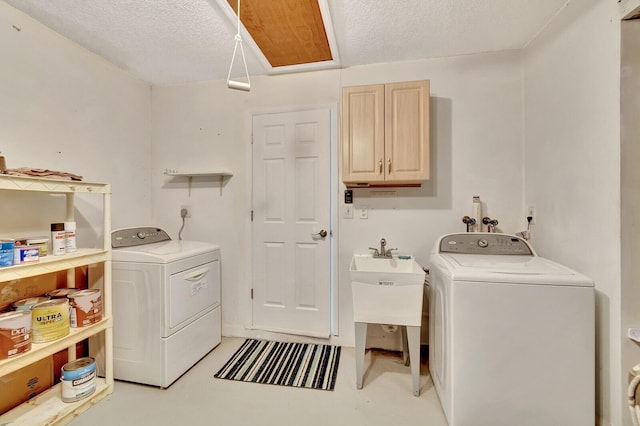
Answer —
(361, 340)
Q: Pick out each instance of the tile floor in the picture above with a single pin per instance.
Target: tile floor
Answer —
(198, 399)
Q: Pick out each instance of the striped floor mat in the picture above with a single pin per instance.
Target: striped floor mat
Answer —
(304, 365)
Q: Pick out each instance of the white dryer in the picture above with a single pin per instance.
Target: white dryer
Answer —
(166, 304)
(511, 334)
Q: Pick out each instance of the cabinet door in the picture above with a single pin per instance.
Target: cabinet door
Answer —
(407, 131)
(362, 116)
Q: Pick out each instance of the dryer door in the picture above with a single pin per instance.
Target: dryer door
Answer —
(192, 293)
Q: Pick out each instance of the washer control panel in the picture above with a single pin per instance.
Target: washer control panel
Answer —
(484, 243)
(130, 237)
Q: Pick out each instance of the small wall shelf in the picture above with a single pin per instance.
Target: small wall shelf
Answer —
(222, 174)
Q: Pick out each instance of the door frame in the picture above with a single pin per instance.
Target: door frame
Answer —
(334, 314)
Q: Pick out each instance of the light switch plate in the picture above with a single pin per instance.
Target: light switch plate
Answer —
(347, 211)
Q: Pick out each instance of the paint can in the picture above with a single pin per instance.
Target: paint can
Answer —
(78, 379)
(85, 307)
(26, 304)
(15, 333)
(61, 293)
(50, 320)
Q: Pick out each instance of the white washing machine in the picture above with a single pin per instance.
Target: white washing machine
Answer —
(511, 334)
(166, 304)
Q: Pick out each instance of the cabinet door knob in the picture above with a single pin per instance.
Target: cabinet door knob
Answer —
(389, 168)
(380, 166)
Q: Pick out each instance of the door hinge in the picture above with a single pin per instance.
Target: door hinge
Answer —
(251, 138)
(251, 294)
(251, 215)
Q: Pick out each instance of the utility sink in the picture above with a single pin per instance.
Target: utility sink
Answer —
(396, 270)
(387, 290)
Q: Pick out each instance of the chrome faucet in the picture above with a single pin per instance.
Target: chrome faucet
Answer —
(383, 252)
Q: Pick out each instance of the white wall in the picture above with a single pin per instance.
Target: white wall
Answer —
(630, 196)
(205, 127)
(572, 165)
(64, 108)
(476, 148)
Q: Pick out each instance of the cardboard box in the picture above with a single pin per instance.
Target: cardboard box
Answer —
(24, 384)
(12, 291)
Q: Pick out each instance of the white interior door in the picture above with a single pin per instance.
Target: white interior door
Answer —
(291, 222)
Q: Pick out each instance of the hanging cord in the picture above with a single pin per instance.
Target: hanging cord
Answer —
(183, 214)
(232, 84)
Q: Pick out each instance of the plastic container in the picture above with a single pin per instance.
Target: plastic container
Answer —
(70, 237)
(476, 213)
(41, 242)
(24, 254)
(58, 236)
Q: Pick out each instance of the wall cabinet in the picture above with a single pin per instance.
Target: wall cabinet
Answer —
(385, 133)
(47, 408)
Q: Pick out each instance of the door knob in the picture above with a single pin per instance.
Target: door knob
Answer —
(321, 234)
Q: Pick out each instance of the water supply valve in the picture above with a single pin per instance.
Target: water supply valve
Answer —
(469, 221)
(491, 223)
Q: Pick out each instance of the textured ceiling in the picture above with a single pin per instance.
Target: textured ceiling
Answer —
(176, 41)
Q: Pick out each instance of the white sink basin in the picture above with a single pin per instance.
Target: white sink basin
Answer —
(385, 271)
(386, 291)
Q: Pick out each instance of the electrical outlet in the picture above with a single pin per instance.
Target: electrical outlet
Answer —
(347, 211)
(364, 213)
(532, 214)
(187, 208)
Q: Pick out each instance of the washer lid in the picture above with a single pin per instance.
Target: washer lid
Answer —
(512, 269)
(163, 252)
